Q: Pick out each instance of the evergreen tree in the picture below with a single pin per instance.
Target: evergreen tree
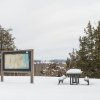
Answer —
(88, 56)
(6, 40)
(71, 61)
(97, 51)
(85, 53)
(68, 63)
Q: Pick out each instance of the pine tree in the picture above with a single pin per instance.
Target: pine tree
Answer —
(86, 51)
(84, 56)
(89, 52)
(68, 63)
(6, 40)
(97, 51)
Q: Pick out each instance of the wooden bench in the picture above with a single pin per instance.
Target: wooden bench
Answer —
(61, 79)
(87, 80)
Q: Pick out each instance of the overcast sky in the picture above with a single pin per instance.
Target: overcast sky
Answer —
(50, 27)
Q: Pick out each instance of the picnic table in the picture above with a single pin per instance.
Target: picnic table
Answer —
(74, 75)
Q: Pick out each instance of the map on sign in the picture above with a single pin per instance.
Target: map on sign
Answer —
(17, 61)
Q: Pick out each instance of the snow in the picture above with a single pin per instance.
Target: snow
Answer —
(74, 71)
(47, 88)
(62, 77)
(86, 78)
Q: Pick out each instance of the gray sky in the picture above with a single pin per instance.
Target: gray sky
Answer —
(50, 27)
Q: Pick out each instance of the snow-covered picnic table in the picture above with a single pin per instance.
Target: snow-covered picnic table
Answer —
(74, 75)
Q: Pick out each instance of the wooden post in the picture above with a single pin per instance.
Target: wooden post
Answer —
(2, 74)
(78, 79)
(77, 76)
(2, 78)
(70, 79)
(32, 66)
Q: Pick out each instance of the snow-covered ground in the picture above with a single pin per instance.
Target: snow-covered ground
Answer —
(47, 88)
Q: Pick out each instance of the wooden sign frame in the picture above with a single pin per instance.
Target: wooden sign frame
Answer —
(29, 70)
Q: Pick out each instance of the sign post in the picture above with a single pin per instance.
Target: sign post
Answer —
(20, 61)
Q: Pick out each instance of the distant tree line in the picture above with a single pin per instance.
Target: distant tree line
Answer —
(87, 58)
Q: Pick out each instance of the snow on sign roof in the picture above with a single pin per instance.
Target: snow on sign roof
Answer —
(74, 71)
